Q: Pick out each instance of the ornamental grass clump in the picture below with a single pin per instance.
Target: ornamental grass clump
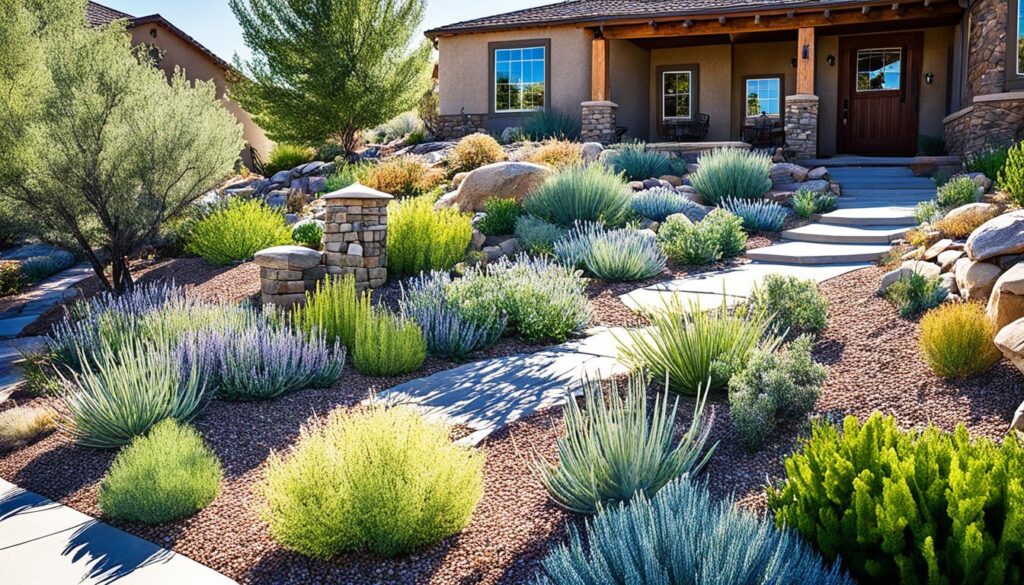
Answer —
(958, 191)
(757, 215)
(23, 424)
(1011, 177)
(284, 157)
(795, 304)
(163, 476)
(387, 344)
(589, 193)
(907, 506)
(619, 255)
(421, 238)
(774, 389)
(500, 216)
(537, 236)
(730, 172)
(616, 448)
(473, 152)
(379, 479)
(449, 328)
(658, 203)
(401, 176)
(684, 536)
(990, 161)
(332, 309)
(957, 340)
(551, 123)
(637, 163)
(236, 232)
(963, 223)
(693, 348)
(914, 294)
(557, 154)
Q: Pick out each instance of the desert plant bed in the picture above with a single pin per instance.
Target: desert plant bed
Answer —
(873, 360)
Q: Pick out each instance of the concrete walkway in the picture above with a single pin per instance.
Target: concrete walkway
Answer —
(47, 543)
(41, 298)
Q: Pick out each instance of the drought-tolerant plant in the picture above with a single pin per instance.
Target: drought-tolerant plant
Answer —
(964, 222)
(989, 161)
(387, 344)
(926, 212)
(727, 228)
(805, 203)
(617, 448)
(24, 423)
(618, 255)
(557, 154)
(421, 238)
(10, 277)
(537, 236)
(37, 268)
(757, 215)
(693, 348)
(915, 293)
(401, 176)
(284, 157)
(551, 123)
(500, 216)
(589, 193)
(659, 203)
(332, 309)
(237, 231)
(960, 190)
(731, 172)
(1011, 177)
(473, 152)
(684, 536)
(399, 126)
(957, 340)
(120, 394)
(163, 476)
(379, 479)
(345, 175)
(689, 243)
(907, 507)
(449, 329)
(774, 388)
(795, 304)
(639, 164)
(308, 233)
(826, 202)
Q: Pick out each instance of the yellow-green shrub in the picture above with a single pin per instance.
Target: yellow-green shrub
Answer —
(473, 152)
(421, 238)
(387, 344)
(964, 223)
(401, 176)
(957, 340)
(288, 156)
(10, 277)
(557, 154)
(380, 479)
(237, 231)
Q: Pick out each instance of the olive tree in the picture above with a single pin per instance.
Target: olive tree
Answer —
(102, 148)
(323, 70)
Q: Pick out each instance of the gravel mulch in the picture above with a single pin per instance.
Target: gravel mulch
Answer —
(871, 353)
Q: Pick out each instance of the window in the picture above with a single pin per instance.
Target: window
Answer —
(520, 77)
(676, 94)
(763, 96)
(1019, 38)
(879, 69)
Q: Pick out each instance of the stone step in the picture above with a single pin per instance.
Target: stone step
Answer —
(875, 192)
(873, 173)
(880, 161)
(818, 253)
(841, 234)
(871, 216)
(885, 183)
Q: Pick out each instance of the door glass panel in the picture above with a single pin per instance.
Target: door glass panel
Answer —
(879, 69)
(1020, 38)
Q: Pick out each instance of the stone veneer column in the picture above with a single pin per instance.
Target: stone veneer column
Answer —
(598, 122)
(355, 234)
(287, 272)
(802, 125)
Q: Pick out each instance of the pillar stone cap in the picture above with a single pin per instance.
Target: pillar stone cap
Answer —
(357, 191)
(287, 258)
(802, 97)
(605, 104)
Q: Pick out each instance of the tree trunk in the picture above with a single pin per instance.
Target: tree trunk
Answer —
(121, 280)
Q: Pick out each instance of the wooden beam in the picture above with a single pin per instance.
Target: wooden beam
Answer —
(780, 22)
(599, 90)
(722, 20)
(805, 61)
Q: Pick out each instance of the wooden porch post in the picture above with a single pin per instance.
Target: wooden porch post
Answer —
(805, 61)
(599, 90)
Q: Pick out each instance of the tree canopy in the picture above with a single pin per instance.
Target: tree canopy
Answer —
(323, 70)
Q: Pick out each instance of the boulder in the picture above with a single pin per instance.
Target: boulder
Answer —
(608, 157)
(287, 258)
(818, 186)
(981, 181)
(591, 151)
(1006, 304)
(1010, 341)
(926, 269)
(509, 246)
(317, 184)
(997, 237)
(975, 279)
(672, 180)
(476, 242)
(781, 197)
(935, 249)
(281, 177)
(948, 282)
(277, 198)
(817, 174)
(311, 168)
(989, 209)
(636, 185)
(948, 258)
(458, 179)
(503, 179)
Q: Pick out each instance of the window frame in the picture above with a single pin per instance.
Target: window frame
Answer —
(694, 72)
(780, 78)
(856, 74)
(1014, 76)
(492, 99)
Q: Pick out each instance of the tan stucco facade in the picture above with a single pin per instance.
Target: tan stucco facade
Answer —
(629, 67)
(755, 60)
(177, 52)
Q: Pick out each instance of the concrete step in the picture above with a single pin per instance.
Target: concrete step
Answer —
(817, 253)
(871, 216)
(880, 161)
(870, 173)
(857, 203)
(885, 183)
(875, 192)
(841, 234)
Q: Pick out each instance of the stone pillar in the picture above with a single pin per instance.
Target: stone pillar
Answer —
(598, 122)
(802, 125)
(355, 234)
(287, 272)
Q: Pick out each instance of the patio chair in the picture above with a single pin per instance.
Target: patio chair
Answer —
(764, 132)
(693, 130)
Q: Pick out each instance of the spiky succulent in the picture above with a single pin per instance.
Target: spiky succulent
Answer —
(757, 215)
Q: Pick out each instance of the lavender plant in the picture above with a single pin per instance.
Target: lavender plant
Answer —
(611, 255)
(449, 329)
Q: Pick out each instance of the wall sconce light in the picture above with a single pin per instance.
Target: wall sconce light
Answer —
(806, 52)
(929, 78)
(793, 62)
(831, 59)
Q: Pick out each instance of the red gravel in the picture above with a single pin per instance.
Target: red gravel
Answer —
(874, 364)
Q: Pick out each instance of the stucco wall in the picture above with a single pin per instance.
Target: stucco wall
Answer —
(826, 86)
(629, 70)
(179, 53)
(714, 85)
(760, 59)
(464, 71)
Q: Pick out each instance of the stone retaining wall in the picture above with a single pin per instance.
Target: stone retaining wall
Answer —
(459, 125)
(287, 272)
(598, 122)
(802, 125)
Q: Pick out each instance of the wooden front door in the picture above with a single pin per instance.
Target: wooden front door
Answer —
(879, 85)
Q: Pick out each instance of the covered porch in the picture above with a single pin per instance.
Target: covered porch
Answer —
(865, 79)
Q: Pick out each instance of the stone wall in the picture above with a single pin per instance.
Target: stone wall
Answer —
(599, 122)
(986, 55)
(955, 130)
(287, 272)
(457, 126)
(802, 125)
(355, 234)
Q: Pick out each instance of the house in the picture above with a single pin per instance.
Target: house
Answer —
(171, 47)
(833, 76)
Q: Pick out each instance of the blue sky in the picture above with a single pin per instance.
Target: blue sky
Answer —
(213, 25)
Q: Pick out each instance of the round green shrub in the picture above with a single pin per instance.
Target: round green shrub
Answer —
(379, 479)
(688, 243)
(387, 344)
(590, 193)
(421, 238)
(794, 303)
(957, 340)
(237, 231)
(162, 476)
(727, 228)
(500, 216)
(309, 233)
(960, 190)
